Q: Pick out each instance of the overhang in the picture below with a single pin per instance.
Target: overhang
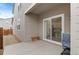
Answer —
(39, 8)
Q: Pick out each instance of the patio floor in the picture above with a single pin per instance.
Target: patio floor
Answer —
(39, 47)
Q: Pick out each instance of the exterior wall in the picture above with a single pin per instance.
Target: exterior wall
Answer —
(25, 22)
(32, 25)
(56, 11)
(75, 29)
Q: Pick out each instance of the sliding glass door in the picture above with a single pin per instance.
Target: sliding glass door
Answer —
(53, 29)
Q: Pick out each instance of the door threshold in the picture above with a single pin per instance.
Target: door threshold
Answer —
(58, 43)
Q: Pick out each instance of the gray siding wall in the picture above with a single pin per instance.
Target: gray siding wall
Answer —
(20, 15)
(56, 11)
(32, 25)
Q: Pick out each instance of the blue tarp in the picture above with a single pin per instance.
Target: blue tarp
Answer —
(66, 40)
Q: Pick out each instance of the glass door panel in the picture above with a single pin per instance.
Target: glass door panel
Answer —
(47, 29)
(56, 29)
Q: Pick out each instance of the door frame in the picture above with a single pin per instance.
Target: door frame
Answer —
(62, 21)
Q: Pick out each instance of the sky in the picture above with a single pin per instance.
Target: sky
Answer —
(6, 10)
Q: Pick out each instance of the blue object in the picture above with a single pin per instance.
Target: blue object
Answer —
(66, 40)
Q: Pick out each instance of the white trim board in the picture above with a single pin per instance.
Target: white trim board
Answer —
(58, 43)
(27, 11)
